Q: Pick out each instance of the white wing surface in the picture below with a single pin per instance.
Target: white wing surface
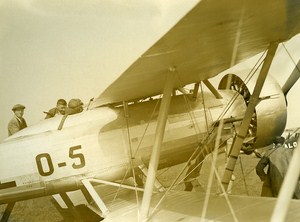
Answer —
(213, 36)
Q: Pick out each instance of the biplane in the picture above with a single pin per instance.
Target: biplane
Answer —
(147, 120)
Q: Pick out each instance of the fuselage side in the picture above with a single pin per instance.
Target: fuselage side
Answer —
(100, 143)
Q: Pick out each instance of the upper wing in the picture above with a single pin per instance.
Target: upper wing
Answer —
(210, 38)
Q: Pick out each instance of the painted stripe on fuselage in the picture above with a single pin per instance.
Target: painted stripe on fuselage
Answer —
(7, 185)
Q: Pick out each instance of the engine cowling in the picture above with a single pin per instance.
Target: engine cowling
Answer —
(270, 116)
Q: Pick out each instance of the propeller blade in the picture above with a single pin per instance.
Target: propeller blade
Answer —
(295, 75)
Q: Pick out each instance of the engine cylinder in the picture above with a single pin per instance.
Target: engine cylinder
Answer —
(269, 119)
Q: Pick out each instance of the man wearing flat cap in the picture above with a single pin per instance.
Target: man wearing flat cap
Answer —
(60, 109)
(17, 123)
(74, 106)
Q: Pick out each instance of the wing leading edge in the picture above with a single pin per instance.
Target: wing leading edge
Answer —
(201, 45)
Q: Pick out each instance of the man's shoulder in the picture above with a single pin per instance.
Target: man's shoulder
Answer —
(13, 120)
(13, 123)
(269, 152)
(52, 111)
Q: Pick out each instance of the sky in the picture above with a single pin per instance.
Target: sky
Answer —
(75, 49)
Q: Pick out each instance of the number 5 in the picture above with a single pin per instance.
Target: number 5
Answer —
(78, 155)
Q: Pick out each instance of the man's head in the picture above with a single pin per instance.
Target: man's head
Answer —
(18, 109)
(76, 105)
(279, 140)
(61, 106)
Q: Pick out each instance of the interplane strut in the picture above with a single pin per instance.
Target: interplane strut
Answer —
(159, 134)
(242, 133)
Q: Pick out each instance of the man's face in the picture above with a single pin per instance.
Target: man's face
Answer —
(79, 109)
(61, 109)
(19, 112)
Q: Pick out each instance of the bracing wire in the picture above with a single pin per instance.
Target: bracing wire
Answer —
(225, 195)
(131, 156)
(119, 188)
(171, 186)
(147, 126)
(127, 171)
(209, 134)
(193, 169)
(191, 113)
(210, 179)
(128, 134)
(193, 156)
(291, 57)
(247, 79)
(242, 169)
(186, 176)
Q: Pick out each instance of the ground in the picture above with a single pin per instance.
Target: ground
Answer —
(246, 183)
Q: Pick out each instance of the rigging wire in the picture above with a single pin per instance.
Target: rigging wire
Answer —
(194, 122)
(295, 131)
(213, 164)
(147, 126)
(204, 139)
(220, 127)
(128, 133)
(186, 165)
(194, 155)
(191, 111)
(224, 193)
(125, 107)
(192, 116)
(242, 169)
(119, 188)
(209, 134)
(171, 186)
(227, 108)
(196, 167)
(291, 57)
(246, 81)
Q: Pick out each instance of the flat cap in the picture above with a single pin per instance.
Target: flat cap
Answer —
(279, 139)
(61, 102)
(18, 106)
(73, 103)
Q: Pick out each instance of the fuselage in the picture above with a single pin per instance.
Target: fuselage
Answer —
(103, 143)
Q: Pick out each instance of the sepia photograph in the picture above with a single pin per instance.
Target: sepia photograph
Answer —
(149, 110)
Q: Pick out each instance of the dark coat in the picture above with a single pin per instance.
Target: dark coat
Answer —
(16, 125)
(277, 160)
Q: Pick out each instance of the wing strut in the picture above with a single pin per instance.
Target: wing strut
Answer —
(70, 206)
(7, 212)
(212, 89)
(159, 134)
(99, 202)
(242, 133)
